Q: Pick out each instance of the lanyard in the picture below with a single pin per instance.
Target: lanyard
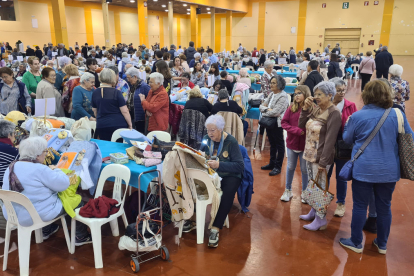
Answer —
(219, 148)
(34, 77)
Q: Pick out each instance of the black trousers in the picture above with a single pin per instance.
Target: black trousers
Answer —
(365, 79)
(140, 126)
(382, 74)
(277, 146)
(229, 186)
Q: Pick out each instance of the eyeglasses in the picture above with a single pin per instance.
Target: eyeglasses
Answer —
(341, 91)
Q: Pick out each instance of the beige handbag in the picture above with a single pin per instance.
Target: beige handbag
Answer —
(81, 130)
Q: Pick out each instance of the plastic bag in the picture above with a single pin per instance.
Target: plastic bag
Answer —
(81, 130)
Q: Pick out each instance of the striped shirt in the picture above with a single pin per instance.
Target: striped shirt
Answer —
(9, 96)
(8, 154)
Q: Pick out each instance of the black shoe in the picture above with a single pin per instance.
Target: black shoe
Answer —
(371, 225)
(85, 240)
(268, 167)
(275, 171)
(53, 229)
(189, 226)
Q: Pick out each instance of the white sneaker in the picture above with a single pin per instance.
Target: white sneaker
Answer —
(302, 197)
(287, 195)
(340, 210)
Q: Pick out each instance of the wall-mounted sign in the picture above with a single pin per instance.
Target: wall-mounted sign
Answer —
(366, 3)
(345, 5)
(376, 2)
(370, 42)
(323, 5)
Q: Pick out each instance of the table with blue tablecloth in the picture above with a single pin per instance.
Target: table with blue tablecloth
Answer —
(179, 103)
(285, 74)
(107, 148)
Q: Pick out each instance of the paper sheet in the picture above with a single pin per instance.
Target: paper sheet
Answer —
(79, 55)
(20, 58)
(40, 106)
(210, 80)
(282, 61)
(54, 54)
(255, 60)
(143, 75)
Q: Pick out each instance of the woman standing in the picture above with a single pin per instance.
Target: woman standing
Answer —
(164, 70)
(366, 69)
(322, 122)
(184, 63)
(10, 91)
(197, 76)
(275, 106)
(378, 167)
(92, 65)
(346, 108)
(46, 89)
(38, 53)
(292, 56)
(82, 97)
(109, 108)
(176, 72)
(73, 80)
(32, 77)
(265, 80)
(295, 141)
(400, 86)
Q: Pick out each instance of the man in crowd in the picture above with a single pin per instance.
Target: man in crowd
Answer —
(314, 77)
(213, 58)
(383, 61)
(191, 51)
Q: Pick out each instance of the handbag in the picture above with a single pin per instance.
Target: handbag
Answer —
(255, 102)
(268, 122)
(405, 149)
(343, 150)
(346, 172)
(163, 147)
(317, 197)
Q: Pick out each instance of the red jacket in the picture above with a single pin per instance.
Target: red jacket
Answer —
(348, 110)
(190, 84)
(157, 103)
(294, 140)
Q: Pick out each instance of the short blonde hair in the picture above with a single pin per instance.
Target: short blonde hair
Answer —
(31, 59)
(71, 70)
(195, 93)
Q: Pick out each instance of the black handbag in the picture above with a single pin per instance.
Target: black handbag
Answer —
(268, 122)
(255, 103)
(343, 150)
(163, 147)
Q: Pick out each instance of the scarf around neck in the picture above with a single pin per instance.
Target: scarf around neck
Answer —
(14, 182)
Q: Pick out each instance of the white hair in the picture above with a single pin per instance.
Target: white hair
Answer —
(205, 55)
(396, 70)
(86, 77)
(157, 77)
(124, 54)
(197, 55)
(327, 88)
(6, 128)
(133, 72)
(338, 81)
(63, 61)
(31, 148)
(268, 63)
(216, 120)
(107, 76)
(243, 73)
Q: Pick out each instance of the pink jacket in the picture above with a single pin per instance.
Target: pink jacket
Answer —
(367, 66)
(294, 140)
(348, 110)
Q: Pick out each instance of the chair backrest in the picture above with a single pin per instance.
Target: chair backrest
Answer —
(203, 177)
(251, 68)
(10, 196)
(93, 125)
(237, 130)
(120, 172)
(116, 135)
(162, 135)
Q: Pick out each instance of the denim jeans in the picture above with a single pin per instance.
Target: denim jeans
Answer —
(291, 167)
(372, 210)
(362, 194)
(341, 186)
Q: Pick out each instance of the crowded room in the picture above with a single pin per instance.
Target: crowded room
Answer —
(203, 137)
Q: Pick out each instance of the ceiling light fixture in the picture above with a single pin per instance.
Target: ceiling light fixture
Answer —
(208, 9)
(188, 13)
(209, 12)
(163, 6)
(132, 1)
(166, 10)
(188, 9)
(185, 5)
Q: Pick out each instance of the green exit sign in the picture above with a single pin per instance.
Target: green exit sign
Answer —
(345, 5)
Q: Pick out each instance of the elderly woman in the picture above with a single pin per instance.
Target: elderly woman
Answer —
(164, 70)
(22, 70)
(223, 153)
(121, 84)
(73, 80)
(366, 69)
(295, 141)
(91, 67)
(184, 63)
(32, 77)
(378, 168)
(13, 93)
(109, 108)
(303, 67)
(346, 108)
(274, 107)
(265, 79)
(244, 77)
(156, 105)
(322, 122)
(205, 61)
(176, 72)
(61, 74)
(185, 81)
(197, 76)
(8, 153)
(138, 87)
(82, 97)
(197, 58)
(46, 89)
(401, 87)
(197, 102)
(41, 184)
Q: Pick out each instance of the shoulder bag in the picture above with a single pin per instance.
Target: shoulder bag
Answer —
(405, 149)
(317, 197)
(346, 173)
(268, 122)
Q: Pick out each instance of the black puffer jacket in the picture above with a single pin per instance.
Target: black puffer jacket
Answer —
(190, 53)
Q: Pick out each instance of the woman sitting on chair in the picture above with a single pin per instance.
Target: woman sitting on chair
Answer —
(225, 157)
(41, 185)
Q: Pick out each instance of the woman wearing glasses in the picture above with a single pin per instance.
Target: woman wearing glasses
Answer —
(46, 89)
(295, 141)
(346, 108)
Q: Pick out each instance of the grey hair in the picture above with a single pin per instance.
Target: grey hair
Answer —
(197, 55)
(114, 68)
(93, 51)
(124, 54)
(327, 88)
(6, 128)
(385, 48)
(281, 83)
(396, 70)
(63, 61)
(31, 148)
(86, 77)
(338, 81)
(107, 76)
(268, 63)
(133, 72)
(223, 94)
(205, 55)
(216, 120)
(158, 78)
(243, 73)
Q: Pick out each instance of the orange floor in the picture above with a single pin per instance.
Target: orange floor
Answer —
(269, 240)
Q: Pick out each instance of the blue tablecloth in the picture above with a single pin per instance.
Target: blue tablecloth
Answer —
(256, 86)
(107, 148)
(179, 103)
(290, 89)
(286, 74)
(250, 72)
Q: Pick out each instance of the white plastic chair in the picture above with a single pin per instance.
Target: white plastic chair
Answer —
(201, 205)
(120, 172)
(250, 68)
(92, 124)
(116, 135)
(162, 135)
(25, 232)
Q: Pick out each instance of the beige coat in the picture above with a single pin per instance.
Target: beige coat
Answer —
(233, 126)
(47, 90)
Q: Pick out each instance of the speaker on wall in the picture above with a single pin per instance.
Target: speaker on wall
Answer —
(198, 10)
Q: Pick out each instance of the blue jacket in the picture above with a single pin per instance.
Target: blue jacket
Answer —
(245, 191)
(379, 163)
(144, 89)
(59, 80)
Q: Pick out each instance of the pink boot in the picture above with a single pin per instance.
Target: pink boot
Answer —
(317, 224)
(310, 216)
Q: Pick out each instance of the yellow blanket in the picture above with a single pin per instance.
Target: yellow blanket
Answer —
(70, 200)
